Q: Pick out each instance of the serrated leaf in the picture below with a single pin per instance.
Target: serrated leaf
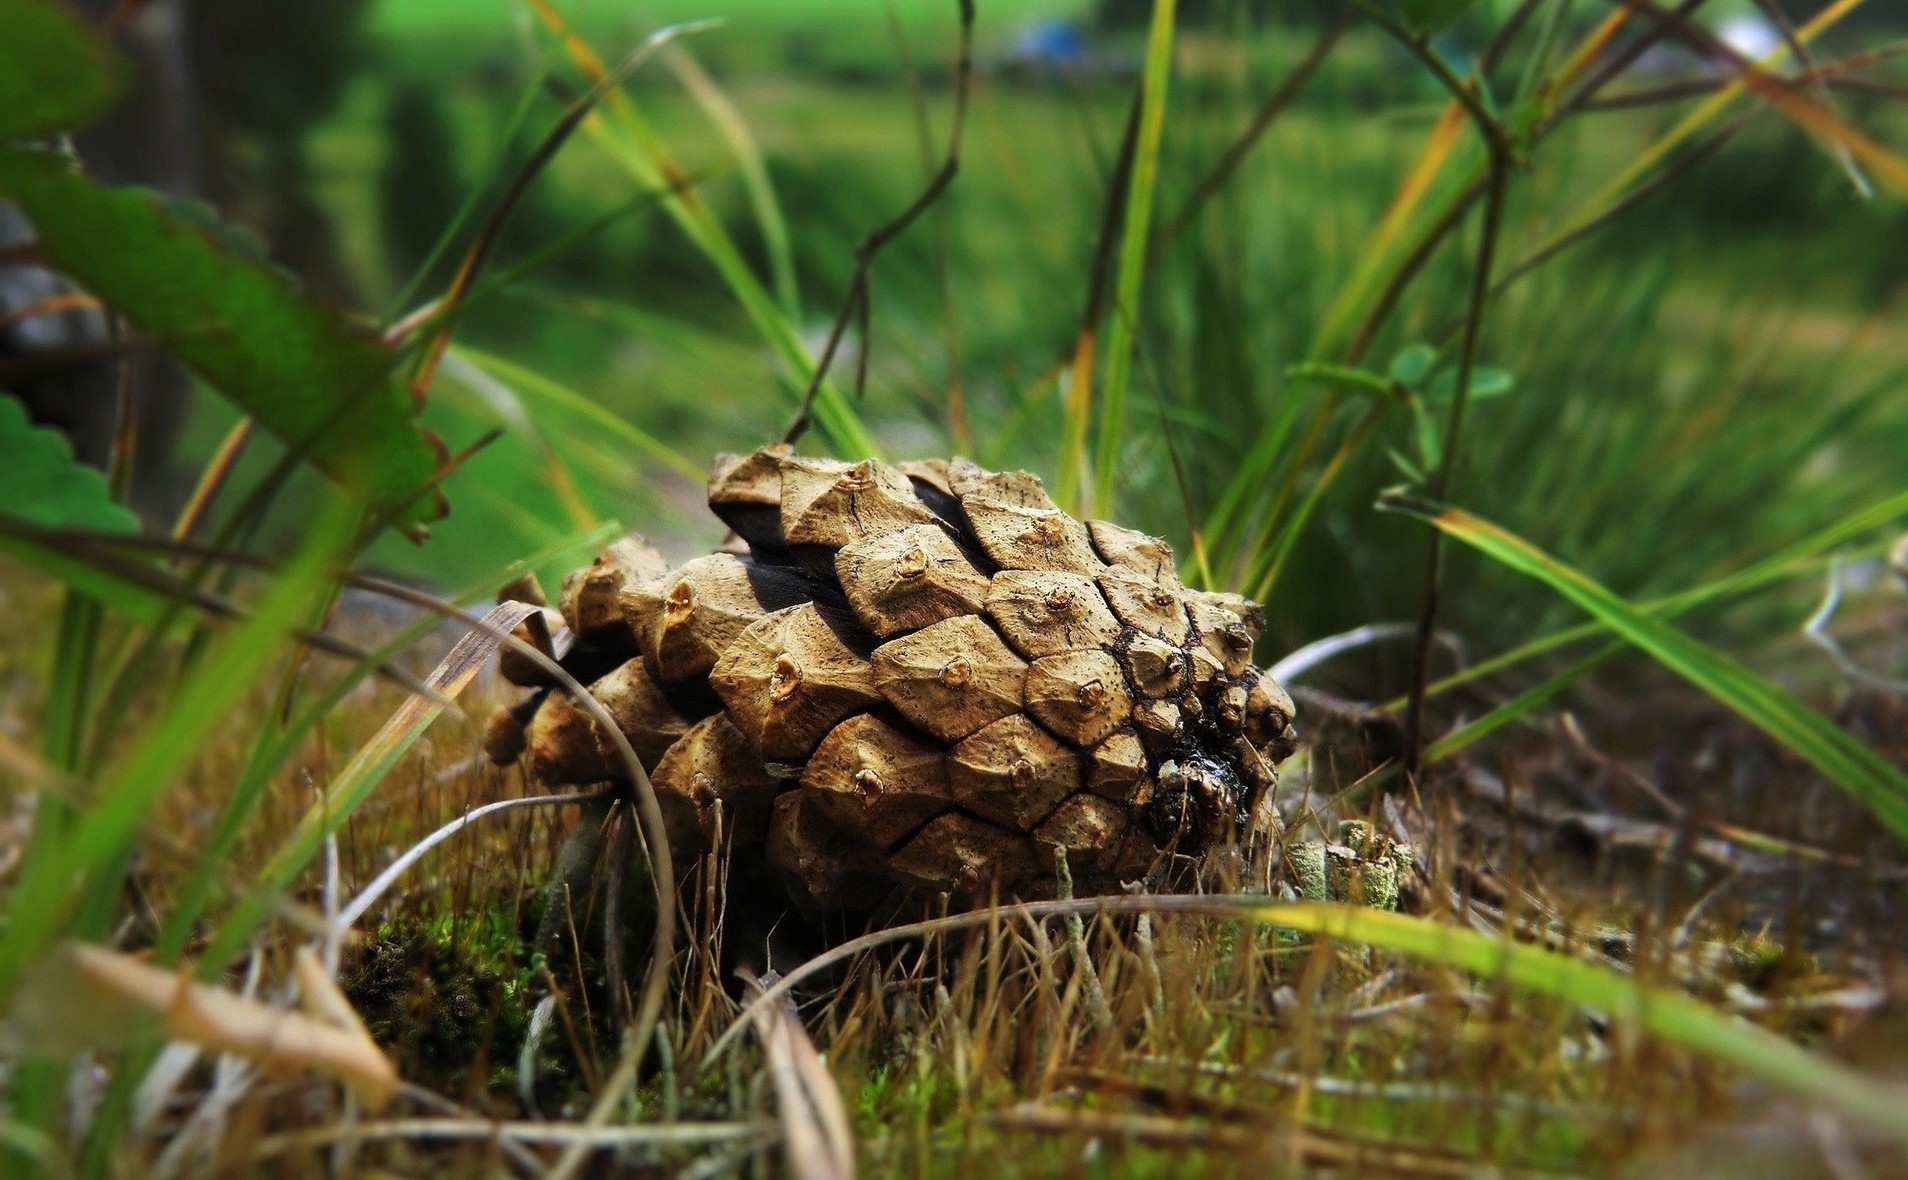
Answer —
(41, 483)
(322, 383)
(56, 71)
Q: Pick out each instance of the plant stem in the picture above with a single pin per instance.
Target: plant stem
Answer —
(1441, 479)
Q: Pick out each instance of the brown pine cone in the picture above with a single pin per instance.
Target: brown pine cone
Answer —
(917, 680)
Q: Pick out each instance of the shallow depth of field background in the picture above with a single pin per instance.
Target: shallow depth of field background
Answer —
(1718, 374)
(1682, 390)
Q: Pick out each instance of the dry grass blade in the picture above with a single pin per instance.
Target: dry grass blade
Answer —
(815, 1131)
(1665, 1014)
(405, 725)
(1705, 113)
(1809, 114)
(87, 987)
(1310, 1148)
(680, 1135)
(369, 895)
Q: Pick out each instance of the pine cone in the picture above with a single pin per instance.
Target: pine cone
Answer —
(917, 680)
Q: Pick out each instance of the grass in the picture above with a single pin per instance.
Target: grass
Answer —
(1633, 902)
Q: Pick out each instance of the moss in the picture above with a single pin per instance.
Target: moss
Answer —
(444, 998)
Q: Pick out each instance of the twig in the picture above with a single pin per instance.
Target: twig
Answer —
(1275, 104)
(1501, 152)
(1814, 80)
(1097, 1006)
(856, 304)
(1816, 631)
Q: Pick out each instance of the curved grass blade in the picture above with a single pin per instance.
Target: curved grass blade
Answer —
(1667, 1015)
(1789, 560)
(526, 382)
(763, 204)
(629, 139)
(1847, 762)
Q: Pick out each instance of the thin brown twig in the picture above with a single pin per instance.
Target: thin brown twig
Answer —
(1616, 65)
(943, 258)
(1274, 105)
(1811, 78)
(1630, 200)
(855, 305)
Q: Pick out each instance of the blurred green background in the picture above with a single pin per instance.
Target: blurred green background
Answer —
(1720, 370)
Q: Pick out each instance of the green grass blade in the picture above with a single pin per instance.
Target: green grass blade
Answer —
(622, 131)
(1667, 1015)
(1518, 707)
(1133, 245)
(1847, 762)
(564, 398)
(763, 203)
(1785, 562)
(61, 872)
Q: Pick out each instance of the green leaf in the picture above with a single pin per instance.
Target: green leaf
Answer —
(1411, 364)
(42, 486)
(41, 483)
(1846, 761)
(1345, 377)
(1673, 1017)
(1484, 383)
(322, 383)
(56, 71)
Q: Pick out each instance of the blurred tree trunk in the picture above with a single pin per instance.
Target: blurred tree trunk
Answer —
(223, 94)
(148, 139)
